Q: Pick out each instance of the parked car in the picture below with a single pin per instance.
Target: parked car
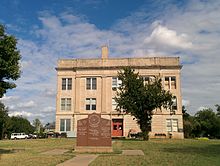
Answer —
(19, 136)
(32, 136)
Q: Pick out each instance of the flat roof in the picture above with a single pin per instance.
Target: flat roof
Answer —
(139, 62)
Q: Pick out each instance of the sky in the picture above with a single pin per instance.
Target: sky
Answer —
(48, 30)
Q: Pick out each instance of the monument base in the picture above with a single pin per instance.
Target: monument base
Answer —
(107, 149)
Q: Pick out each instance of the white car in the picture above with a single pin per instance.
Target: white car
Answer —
(19, 136)
(32, 136)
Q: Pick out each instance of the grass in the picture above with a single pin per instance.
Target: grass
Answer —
(29, 152)
(165, 152)
(157, 152)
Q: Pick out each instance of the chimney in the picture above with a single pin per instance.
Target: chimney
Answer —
(104, 52)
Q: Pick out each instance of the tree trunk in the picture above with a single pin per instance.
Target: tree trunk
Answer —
(145, 132)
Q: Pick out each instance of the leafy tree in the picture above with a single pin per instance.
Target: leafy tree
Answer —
(140, 100)
(185, 114)
(3, 120)
(18, 124)
(9, 61)
(37, 126)
(218, 109)
(50, 126)
(187, 123)
(209, 123)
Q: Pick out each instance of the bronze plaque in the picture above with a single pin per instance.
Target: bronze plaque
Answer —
(94, 131)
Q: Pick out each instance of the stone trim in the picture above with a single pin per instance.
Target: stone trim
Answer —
(116, 67)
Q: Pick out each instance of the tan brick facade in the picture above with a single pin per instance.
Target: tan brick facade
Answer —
(85, 86)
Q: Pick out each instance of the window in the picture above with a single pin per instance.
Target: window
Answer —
(116, 83)
(173, 82)
(90, 83)
(170, 82)
(65, 125)
(65, 104)
(90, 103)
(114, 104)
(66, 83)
(148, 79)
(174, 106)
(172, 125)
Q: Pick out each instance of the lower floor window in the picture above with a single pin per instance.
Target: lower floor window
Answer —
(65, 124)
(172, 125)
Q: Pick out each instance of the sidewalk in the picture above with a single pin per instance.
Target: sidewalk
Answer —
(85, 159)
(79, 160)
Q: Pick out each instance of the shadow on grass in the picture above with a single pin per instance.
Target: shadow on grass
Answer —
(208, 150)
(6, 151)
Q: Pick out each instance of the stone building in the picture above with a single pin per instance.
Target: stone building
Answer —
(85, 86)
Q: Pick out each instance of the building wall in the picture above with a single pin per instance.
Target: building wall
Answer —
(103, 71)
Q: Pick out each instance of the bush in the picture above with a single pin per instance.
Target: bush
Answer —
(203, 138)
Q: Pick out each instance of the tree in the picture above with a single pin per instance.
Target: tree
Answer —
(209, 123)
(140, 100)
(185, 114)
(9, 61)
(187, 123)
(3, 120)
(218, 109)
(18, 124)
(37, 126)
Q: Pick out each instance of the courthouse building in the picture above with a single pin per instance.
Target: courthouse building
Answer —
(85, 86)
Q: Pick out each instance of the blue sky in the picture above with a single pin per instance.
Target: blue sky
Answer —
(51, 29)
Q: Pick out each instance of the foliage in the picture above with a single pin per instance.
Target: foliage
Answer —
(218, 109)
(9, 61)
(140, 100)
(205, 123)
(19, 125)
(38, 127)
(189, 124)
(185, 114)
(209, 123)
(3, 120)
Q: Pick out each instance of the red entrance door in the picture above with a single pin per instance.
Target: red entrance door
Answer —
(117, 127)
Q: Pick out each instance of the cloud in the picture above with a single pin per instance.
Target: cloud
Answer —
(22, 113)
(49, 92)
(163, 36)
(186, 103)
(28, 104)
(191, 32)
(49, 109)
(9, 98)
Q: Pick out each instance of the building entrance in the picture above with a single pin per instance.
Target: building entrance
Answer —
(117, 127)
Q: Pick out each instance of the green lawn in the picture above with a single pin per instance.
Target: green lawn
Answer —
(29, 152)
(165, 152)
(157, 152)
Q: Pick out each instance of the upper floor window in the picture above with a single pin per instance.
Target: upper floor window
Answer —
(90, 83)
(116, 83)
(90, 103)
(65, 125)
(174, 106)
(65, 104)
(114, 104)
(170, 82)
(66, 83)
(172, 125)
(148, 79)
